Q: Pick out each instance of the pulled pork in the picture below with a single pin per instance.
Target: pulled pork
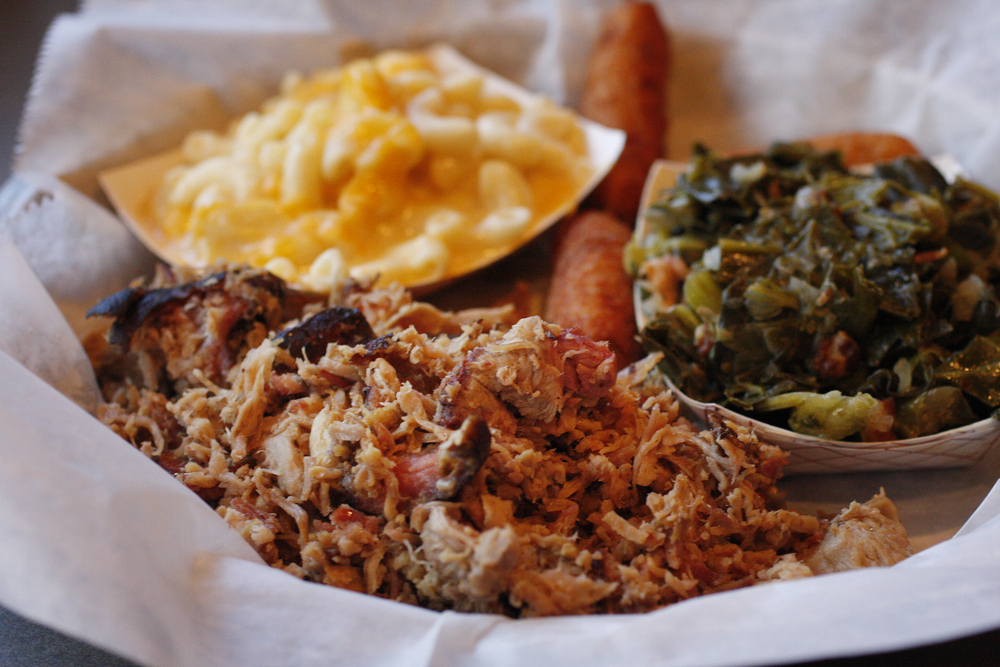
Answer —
(460, 461)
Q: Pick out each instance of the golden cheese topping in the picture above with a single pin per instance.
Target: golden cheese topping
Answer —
(386, 166)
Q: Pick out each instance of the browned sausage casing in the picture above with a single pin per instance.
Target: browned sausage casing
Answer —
(590, 290)
(857, 148)
(626, 89)
(865, 147)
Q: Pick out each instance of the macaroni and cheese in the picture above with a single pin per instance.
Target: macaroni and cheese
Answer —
(390, 166)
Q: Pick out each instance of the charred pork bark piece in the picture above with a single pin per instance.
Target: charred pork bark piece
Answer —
(344, 326)
(202, 327)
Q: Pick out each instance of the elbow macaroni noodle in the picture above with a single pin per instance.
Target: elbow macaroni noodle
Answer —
(385, 166)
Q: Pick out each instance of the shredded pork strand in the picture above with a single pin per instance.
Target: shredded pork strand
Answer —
(464, 462)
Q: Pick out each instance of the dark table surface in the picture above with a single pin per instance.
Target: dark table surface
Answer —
(27, 644)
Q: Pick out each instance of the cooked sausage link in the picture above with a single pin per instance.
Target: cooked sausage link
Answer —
(626, 89)
(590, 290)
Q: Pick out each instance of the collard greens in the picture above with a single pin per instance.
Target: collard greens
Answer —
(839, 304)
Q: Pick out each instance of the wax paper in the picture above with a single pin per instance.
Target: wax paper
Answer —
(100, 543)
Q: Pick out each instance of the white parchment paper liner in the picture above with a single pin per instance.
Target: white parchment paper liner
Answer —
(100, 543)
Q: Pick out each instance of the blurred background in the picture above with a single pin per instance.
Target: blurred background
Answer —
(22, 27)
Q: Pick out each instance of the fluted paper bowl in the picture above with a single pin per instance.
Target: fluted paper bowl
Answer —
(130, 188)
